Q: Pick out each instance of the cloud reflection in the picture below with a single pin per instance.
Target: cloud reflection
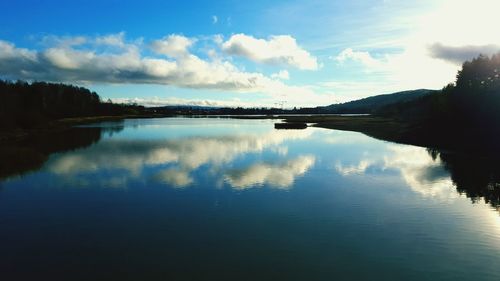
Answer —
(360, 168)
(423, 174)
(280, 175)
(174, 177)
(181, 155)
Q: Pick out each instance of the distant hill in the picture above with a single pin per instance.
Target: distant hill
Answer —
(374, 103)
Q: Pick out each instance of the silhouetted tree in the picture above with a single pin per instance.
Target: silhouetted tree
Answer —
(462, 115)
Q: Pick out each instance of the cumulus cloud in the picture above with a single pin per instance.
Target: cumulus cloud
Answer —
(173, 45)
(280, 175)
(112, 39)
(278, 50)
(126, 64)
(460, 54)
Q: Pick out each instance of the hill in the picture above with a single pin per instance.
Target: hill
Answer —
(375, 103)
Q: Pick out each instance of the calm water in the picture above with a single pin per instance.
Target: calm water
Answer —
(220, 199)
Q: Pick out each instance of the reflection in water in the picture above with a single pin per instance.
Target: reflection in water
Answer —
(280, 175)
(353, 169)
(93, 149)
(421, 172)
(30, 154)
(183, 156)
(476, 177)
(390, 211)
(174, 177)
(436, 174)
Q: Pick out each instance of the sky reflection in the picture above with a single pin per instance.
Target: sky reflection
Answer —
(298, 199)
(243, 154)
(178, 157)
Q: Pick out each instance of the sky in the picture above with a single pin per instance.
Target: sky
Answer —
(244, 53)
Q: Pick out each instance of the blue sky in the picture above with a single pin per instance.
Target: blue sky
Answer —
(252, 53)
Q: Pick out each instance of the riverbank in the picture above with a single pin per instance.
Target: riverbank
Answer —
(377, 127)
(451, 139)
(58, 125)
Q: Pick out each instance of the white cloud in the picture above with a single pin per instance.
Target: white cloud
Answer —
(65, 58)
(282, 74)
(358, 56)
(279, 50)
(117, 40)
(218, 39)
(172, 101)
(280, 175)
(8, 51)
(126, 64)
(411, 69)
(430, 53)
(173, 45)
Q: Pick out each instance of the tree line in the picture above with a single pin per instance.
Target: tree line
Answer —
(28, 105)
(464, 114)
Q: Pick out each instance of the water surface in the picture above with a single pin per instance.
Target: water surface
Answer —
(222, 199)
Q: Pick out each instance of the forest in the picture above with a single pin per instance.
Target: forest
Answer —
(29, 105)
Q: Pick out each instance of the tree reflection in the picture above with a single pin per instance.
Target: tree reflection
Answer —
(30, 154)
(475, 176)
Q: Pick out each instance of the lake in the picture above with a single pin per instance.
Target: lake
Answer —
(224, 199)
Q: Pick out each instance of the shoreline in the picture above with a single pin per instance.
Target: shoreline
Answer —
(381, 128)
(18, 134)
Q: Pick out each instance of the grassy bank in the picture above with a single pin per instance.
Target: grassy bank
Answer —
(377, 127)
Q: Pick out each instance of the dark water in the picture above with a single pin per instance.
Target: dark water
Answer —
(218, 199)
